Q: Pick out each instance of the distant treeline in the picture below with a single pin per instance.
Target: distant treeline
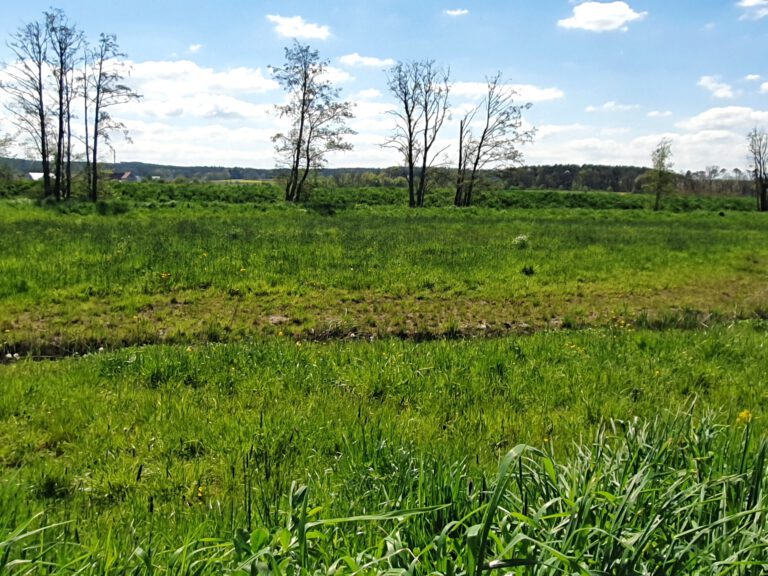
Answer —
(571, 177)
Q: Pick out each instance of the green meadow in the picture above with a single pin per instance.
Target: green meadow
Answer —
(207, 387)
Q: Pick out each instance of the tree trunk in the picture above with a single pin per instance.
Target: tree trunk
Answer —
(458, 199)
(95, 164)
(68, 155)
(59, 172)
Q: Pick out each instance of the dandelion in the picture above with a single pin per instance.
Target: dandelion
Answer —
(744, 417)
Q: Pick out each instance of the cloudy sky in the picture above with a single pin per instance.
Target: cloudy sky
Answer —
(607, 80)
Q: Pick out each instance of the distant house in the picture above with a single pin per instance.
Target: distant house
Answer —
(124, 177)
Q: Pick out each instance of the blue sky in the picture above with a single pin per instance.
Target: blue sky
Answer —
(607, 80)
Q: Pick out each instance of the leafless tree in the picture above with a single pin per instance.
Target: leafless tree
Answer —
(65, 41)
(758, 156)
(26, 88)
(496, 144)
(318, 118)
(421, 89)
(103, 88)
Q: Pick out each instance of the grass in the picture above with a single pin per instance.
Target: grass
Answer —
(191, 275)
(162, 447)
(245, 387)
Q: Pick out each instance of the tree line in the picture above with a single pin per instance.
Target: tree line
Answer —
(57, 74)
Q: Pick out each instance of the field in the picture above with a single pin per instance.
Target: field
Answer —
(194, 387)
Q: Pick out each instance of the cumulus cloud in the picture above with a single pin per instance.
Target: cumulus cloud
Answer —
(659, 114)
(458, 12)
(612, 106)
(195, 48)
(601, 17)
(755, 9)
(764, 88)
(164, 78)
(715, 87)
(216, 144)
(297, 27)
(524, 92)
(740, 118)
(752, 77)
(356, 60)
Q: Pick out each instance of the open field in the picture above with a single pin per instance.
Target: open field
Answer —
(74, 283)
(252, 388)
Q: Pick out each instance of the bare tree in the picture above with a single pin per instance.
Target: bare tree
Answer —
(421, 89)
(497, 143)
(103, 88)
(758, 155)
(318, 118)
(26, 88)
(403, 83)
(65, 41)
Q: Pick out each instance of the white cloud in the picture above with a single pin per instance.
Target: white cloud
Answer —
(601, 17)
(458, 12)
(755, 9)
(764, 88)
(336, 75)
(213, 144)
(195, 48)
(612, 106)
(297, 27)
(659, 114)
(356, 60)
(738, 118)
(369, 94)
(752, 77)
(550, 130)
(164, 78)
(203, 105)
(717, 88)
(524, 92)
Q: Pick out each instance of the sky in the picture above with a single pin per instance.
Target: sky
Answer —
(607, 79)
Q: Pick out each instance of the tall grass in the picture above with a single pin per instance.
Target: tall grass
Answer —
(672, 495)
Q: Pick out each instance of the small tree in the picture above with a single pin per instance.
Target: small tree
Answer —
(660, 178)
(103, 88)
(317, 117)
(758, 155)
(496, 144)
(421, 90)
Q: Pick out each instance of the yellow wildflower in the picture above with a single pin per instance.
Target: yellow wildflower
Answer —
(744, 417)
